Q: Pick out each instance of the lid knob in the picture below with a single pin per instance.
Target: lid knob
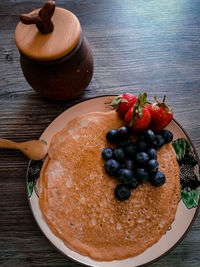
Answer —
(42, 19)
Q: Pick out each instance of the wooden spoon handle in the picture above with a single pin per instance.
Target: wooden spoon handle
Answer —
(4, 143)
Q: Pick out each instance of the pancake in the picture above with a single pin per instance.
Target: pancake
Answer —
(77, 199)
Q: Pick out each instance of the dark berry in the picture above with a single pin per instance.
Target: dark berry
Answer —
(158, 142)
(122, 192)
(142, 145)
(167, 135)
(119, 154)
(152, 153)
(131, 150)
(123, 143)
(158, 179)
(142, 158)
(142, 175)
(112, 136)
(112, 167)
(130, 164)
(149, 136)
(107, 153)
(126, 176)
(152, 166)
(134, 183)
(123, 133)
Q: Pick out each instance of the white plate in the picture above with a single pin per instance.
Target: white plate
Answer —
(184, 215)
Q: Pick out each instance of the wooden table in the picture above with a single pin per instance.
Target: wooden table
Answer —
(151, 46)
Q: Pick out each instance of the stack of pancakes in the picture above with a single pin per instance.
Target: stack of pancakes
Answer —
(77, 199)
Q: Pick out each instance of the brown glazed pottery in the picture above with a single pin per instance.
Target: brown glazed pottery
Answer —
(57, 61)
(63, 78)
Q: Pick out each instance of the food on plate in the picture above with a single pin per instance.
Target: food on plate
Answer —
(123, 103)
(161, 115)
(138, 117)
(95, 214)
(167, 135)
(136, 161)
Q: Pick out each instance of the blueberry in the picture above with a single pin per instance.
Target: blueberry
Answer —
(158, 142)
(122, 192)
(123, 133)
(119, 154)
(149, 136)
(152, 153)
(126, 176)
(124, 143)
(134, 183)
(167, 135)
(130, 164)
(142, 145)
(112, 167)
(131, 150)
(107, 153)
(142, 175)
(152, 166)
(158, 179)
(112, 136)
(142, 158)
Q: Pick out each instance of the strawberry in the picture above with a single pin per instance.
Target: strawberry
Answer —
(161, 115)
(138, 117)
(123, 103)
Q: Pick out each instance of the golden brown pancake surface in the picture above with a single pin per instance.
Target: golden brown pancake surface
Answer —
(77, 199)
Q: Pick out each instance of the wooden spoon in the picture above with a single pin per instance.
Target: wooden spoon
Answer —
(34, 149)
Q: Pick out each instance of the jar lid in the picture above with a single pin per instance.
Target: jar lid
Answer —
(51, 46)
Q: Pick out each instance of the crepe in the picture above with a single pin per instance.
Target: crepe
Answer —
(77, 199)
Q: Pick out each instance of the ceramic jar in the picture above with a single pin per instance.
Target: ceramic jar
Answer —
(58, 64)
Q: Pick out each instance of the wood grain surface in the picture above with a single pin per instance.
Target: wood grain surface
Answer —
(151, 46)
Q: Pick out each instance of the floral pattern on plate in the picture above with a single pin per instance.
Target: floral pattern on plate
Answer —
(188, 165)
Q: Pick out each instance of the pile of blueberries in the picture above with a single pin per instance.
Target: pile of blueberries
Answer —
(134, 163)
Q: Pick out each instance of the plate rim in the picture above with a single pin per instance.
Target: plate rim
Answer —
(142, 265)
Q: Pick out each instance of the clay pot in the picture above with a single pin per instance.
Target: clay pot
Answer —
(57, 64)
(64, 78)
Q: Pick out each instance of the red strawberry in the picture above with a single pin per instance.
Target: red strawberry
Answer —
(123, 103)
(138, 117)
(161, 115)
